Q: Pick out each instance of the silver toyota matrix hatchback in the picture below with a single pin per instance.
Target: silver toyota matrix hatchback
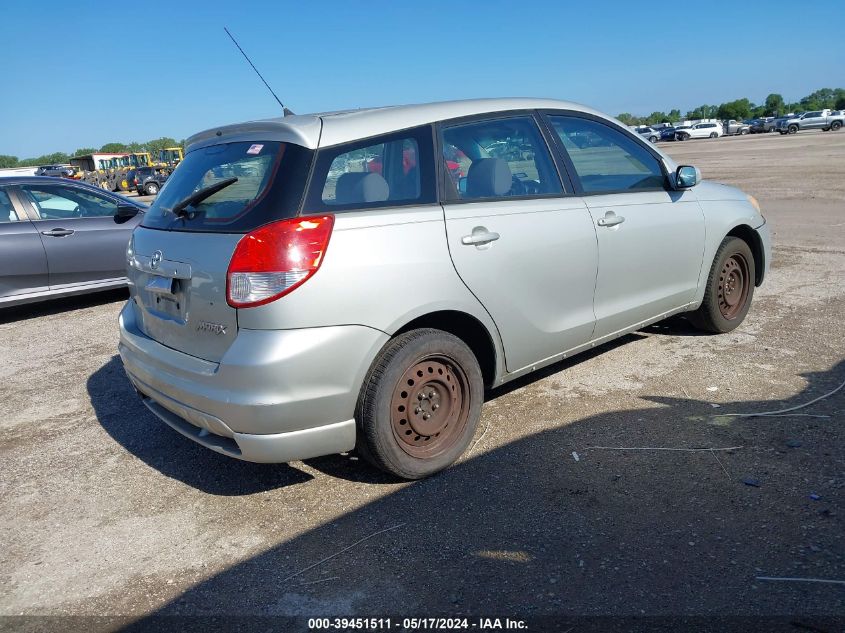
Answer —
(355, 280)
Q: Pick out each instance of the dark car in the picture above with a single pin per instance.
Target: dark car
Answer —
(57, 171)
(667, 134)
(147, 180)
(61, 237)
(763, 125)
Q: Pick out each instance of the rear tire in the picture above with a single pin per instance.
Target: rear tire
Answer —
(835, 125)
(730, 288)
(714, 135)
(420, 404)
(652, 139)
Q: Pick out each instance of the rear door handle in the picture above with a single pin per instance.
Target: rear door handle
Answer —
(480, 235)
(57, 232)
(610, 219)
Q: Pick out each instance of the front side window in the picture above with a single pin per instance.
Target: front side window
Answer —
(54, 203)
(498, 158)
(391, 170)
(7, 211)
(606, 159)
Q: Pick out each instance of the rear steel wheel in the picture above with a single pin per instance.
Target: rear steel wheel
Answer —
(430, 407)
(420, 403)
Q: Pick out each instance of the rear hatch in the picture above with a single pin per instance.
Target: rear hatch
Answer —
(178, 258)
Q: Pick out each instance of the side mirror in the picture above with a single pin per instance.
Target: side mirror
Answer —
(687, 176)
(126, 211)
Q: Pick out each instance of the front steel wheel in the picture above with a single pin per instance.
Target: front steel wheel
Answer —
(730, 287)
(420, 404)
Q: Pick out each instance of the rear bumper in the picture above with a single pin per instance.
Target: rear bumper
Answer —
(275, 396)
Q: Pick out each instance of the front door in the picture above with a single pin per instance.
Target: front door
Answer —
(524, 247)
(23, 262)
(650, 238)
(84, 239)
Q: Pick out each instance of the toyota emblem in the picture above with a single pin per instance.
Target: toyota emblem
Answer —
(155, 260)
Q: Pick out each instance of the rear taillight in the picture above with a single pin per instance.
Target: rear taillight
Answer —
(271, 261)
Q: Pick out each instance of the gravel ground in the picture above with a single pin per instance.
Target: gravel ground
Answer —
(105, 510)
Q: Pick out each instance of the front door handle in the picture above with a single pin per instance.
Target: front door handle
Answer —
(480, 235)
(610, 219)
(57, 232)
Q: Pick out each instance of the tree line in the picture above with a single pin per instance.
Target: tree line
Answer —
(60, 158)
(774, 105)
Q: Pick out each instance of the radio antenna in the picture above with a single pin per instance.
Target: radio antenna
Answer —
(285, 111)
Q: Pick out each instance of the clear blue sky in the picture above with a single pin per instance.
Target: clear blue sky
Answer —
(83, 73)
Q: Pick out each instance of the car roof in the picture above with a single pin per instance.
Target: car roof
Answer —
(41, 180)
(324, 129)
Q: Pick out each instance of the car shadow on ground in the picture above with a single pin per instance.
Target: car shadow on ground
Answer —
(57, 306)
(121, 413)
(133, 426)
(562, 522)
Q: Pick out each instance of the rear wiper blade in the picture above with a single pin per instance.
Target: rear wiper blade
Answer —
(179, 209)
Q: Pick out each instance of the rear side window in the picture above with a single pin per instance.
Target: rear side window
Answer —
(261, 182)
(606, 159)
(385, 171)
(498, 158)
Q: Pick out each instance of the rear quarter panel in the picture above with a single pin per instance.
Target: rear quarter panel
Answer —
(382, 269)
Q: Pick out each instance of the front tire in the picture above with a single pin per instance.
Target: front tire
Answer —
(151, 188)
(420, 404)
(835, 125)
(730, 288)
(793, 129)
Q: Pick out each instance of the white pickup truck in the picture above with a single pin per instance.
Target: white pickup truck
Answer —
(815, 120)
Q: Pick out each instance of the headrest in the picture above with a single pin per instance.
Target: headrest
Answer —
(358, 187)
(488, 177)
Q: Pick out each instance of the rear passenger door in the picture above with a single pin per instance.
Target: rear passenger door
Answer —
(650, 238)
(23, 262)
(84, 239)
(520, 241)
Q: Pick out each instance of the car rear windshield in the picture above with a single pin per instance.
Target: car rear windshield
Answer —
(263, 182)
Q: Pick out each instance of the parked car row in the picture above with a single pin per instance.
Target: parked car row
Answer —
(825, 120)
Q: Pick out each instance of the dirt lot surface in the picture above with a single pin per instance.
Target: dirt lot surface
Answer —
(105, 510)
